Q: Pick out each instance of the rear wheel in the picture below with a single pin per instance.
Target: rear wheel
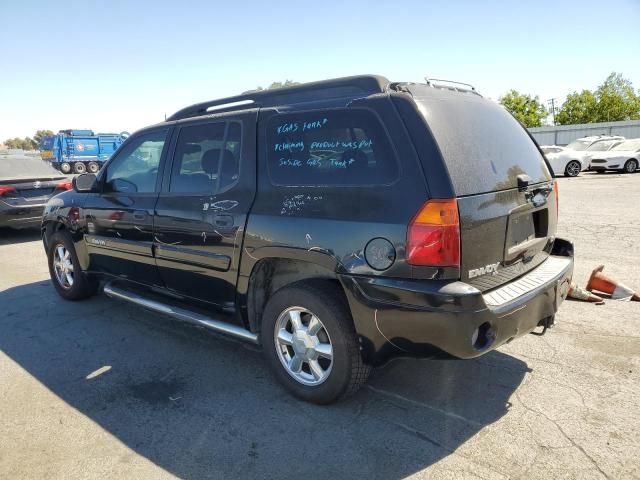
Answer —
(93, 167)
(79, 167)
(67, 277)
(631, 166)
(65, 167)
(310, 342)
(573, 168)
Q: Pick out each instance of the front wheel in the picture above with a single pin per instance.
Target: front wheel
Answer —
(67, 277)
(573, 168)
(631, 166)
(310, 342)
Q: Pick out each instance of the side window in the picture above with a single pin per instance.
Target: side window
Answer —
(332, 147)
(206, 159)
(135, 168)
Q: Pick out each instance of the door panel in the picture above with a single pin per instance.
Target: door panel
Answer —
(120, 220)
(202, 210)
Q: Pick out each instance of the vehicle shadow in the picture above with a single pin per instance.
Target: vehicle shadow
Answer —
(199, 406)
(9, 236)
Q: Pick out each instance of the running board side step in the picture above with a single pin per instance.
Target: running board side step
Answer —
(181, 314)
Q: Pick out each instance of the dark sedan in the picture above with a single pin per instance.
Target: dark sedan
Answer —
(26, 184)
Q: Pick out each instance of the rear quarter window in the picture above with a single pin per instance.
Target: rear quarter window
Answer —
(332, 147)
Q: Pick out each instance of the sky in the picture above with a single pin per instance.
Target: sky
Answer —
(112, 66)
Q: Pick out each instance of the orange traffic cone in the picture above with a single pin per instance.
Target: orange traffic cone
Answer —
(580, 293)
(618, 291)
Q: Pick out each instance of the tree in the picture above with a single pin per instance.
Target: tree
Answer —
(25, 143)
(617, 100)
(578, 108)
(614, 100)
(286, 83)
(527, 109)
(40, 134)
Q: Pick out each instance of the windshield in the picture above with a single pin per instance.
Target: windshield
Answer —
(628, 145)
(602, 146)
(579, 145)
(18, 166)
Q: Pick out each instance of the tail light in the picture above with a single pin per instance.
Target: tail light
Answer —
(433, 236)
(557, 192)
(66, 185)
(5, 191)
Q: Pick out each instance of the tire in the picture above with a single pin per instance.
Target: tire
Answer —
(342, 371)
(63, 261)
(93, 167)
(79, 167)
(630, 166)
(573, 168)
(65, 167)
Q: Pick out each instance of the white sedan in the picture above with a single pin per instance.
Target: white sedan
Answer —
(576, 156)
(624, 156)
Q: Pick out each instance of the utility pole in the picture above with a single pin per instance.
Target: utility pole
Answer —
(552, 102)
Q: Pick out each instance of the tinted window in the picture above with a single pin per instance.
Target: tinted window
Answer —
(484, 147)
(17, 167)
(206, 158)
(135, 168)
(337, 147)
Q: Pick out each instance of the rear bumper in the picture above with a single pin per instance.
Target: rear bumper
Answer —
(407, 317)
(20, 216)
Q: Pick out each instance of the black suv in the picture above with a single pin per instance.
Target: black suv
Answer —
(336, 223)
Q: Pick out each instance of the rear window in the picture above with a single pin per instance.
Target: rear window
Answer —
(332, 147)
(484, 147)
(17, 167)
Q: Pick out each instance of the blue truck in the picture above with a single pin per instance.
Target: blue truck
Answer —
(79, 151)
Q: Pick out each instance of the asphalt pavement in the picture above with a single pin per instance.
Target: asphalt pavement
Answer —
(99, 389)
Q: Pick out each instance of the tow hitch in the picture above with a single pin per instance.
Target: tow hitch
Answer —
(545, 323)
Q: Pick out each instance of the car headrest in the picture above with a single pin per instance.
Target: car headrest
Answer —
(210, 160)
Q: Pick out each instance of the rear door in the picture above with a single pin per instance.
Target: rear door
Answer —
(202, 210)
(507, 206)
(120, 219)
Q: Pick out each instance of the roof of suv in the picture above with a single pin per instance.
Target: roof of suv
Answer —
(325, 90)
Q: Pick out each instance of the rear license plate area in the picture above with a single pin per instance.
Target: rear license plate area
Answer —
(521, 229)
(526, 232)
(35, 192)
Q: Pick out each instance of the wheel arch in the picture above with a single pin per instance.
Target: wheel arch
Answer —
(274, 273)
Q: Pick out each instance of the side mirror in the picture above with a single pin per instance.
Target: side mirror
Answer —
(85, 183)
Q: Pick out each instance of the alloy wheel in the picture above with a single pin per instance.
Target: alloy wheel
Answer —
(303, 345)
(63, 266)
(573, 169)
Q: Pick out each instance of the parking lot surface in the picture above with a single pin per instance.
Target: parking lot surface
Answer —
(99, 389)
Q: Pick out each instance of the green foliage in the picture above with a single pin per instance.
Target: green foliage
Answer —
(40, 134)
(25, 143)
(612, 101)
(578, 108)
(527, 109)
(286, 83)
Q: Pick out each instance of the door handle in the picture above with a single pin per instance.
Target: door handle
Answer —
(139, 215)
(222, 220)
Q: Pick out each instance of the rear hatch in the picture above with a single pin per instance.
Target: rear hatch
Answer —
(506, 202)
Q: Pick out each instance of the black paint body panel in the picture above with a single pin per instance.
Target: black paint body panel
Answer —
(221, 252)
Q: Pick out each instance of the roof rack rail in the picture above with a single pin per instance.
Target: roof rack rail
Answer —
(355, 86)
(442, 83)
